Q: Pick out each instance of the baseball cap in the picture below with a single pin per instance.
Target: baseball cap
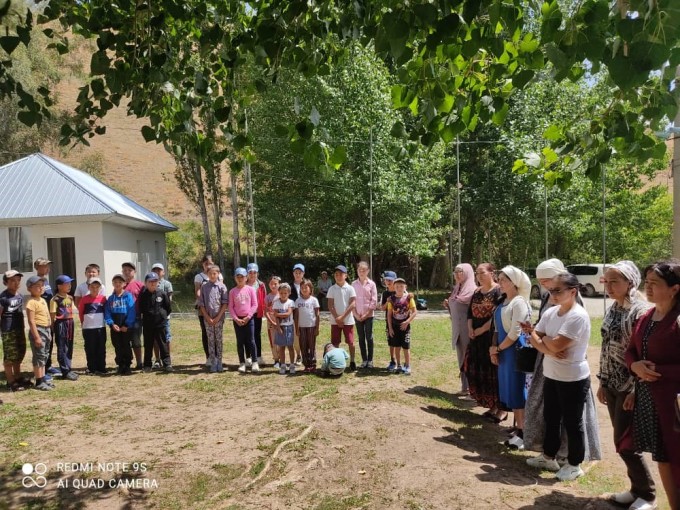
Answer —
(33, 280)
(94, 280)
(41, 261)
(299, 266)
(62, 278)
(11, 273)
(389, 275)
(158, 265)
(252, 267)
(151, 277)
(400, 280)
(118, 276)
(129, 264)
(341, 268)
(239, 271)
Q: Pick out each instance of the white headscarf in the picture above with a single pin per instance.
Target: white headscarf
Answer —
(519, 279)
(631, 273)
(550, 268)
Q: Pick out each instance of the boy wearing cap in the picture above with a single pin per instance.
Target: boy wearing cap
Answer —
(135, 288)
(12, 329)
(242, 308)
(341, 303)
(82, 290)
(61, 312)
(388, 278)
(212, 302)
(93, 324)
(261, 292)
(120, 316)
(39, 330)
(166, 287)
(401, 310)
(154, 308)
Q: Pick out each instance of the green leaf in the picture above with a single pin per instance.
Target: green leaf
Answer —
(398, 130)
(9, 43)
(240, 141)
(522, 78)
(29, 118)
(551, 20)
(553, 133)
(99, 63)
(499, 115)
(338, 157)
(305, 129)
(222, 114)
(148, 133)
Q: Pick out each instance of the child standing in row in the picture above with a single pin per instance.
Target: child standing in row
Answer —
(401, 310)
(82, 290)
(307, 324)
(12, 329)
(39, 331)
(120, 316)
(341, 304)
(61, 312)
(388, 278)
(212, 305)
(154, 309)
(91, 310)
(242, 308)
(284, 338)
(271, 321)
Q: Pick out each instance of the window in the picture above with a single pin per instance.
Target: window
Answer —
(583, 270)
(16, 250)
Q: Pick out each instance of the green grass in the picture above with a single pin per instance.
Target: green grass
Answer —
(329, 502)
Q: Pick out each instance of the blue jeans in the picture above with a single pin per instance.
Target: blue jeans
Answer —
(245, 340)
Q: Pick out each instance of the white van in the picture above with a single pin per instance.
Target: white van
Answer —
(590, 276)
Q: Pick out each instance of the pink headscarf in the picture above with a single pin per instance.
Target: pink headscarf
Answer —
(463, 292)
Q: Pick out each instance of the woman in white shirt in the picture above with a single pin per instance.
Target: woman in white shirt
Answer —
(562, 335)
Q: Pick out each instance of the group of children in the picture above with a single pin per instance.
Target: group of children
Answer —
(50, 320)
(133, 306)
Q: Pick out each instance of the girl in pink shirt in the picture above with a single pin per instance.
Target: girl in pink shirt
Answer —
(242, 308)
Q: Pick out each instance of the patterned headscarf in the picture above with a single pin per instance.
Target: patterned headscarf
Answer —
(519, 279)
(462, 293)
(631, 273)
(550, 268)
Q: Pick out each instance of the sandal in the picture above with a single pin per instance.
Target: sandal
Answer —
(498, 419)
(15, 386)
(24, 381)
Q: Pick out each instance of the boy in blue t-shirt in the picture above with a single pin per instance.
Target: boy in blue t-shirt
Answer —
(120, 316)
(334, 360)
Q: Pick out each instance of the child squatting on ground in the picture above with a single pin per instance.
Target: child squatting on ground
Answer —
(401, 310)
(334, 360)
(39, 331)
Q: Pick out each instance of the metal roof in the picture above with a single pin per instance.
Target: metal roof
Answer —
(39, 187)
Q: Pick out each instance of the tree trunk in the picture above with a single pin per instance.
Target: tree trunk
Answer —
(202, 207)
(440, 277)
(234, 217)
(216, 189)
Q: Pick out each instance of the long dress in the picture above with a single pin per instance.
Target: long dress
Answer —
(534, 425)
(459, 336)
(510, 381)
(482, 375)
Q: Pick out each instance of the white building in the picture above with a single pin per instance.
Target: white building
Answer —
(49, 209)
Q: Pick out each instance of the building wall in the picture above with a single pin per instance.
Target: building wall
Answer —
(141, 247)
(106, 244)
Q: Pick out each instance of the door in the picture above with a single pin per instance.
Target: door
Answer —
(62, 252)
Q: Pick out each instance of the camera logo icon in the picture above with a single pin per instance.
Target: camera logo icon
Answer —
(37, 480)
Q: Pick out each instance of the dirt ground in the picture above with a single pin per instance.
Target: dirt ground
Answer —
(368, 440)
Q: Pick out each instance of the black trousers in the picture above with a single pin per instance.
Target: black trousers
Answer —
(245, 340)
(258, 340)
(641, 481)
(204, 336)
(95, 349)
(122, 343)
(365, 331)
(156, 335)
(563, 403)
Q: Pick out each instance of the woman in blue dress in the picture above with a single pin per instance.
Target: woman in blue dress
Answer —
(516, 287)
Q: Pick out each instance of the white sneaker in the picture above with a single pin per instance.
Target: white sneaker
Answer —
(260, 361)
(249, 362)
(277, 365)
(569, 472)
(364, 364)
(242, 368)
(515, 442)
(255, 368)
(622, 498)
(282, 370)
(643, 504)
(292, 369)
(543, 462)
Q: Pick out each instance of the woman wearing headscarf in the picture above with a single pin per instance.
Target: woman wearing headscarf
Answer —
(513, 310)
(481, 374)
(457, 304)
(653, 356)
(617, 385)
(534, 424)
